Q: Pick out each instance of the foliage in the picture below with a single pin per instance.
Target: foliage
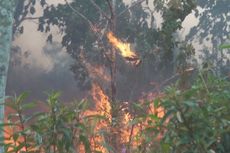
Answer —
(213, 17)
(225, 46)
(60, 129)
(211, 31)
(196, 119)
(154, 44)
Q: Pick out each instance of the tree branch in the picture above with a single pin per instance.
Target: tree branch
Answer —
(131, 6)
(18, 21)
(80, 14)
(110, 8)
(99, 9)
(32, 18)
(92, 27)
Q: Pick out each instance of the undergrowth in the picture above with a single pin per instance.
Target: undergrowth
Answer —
(196, 120)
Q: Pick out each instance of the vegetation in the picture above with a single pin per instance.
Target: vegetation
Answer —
(189, 116)
(196, 120)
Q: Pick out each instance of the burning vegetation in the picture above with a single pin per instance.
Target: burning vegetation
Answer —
(100, 117)
(127, 133)
(124, 49)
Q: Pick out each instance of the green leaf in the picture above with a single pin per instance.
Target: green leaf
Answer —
(86, 143)
(191, 103)
(138, 106)
(224, 46)
(165, 147)
(179, 118)
(28, 106)
(153, 116)
(21, 98)
(38, 138)
(7, 124)
(135, 121)
(15, 136)
(33, 116)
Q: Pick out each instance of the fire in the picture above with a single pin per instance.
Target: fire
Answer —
(124, 48)
(102, 104)
(102, 107)
(128, 132)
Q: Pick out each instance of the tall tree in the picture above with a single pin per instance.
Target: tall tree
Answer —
(81, 22)
(6, 22)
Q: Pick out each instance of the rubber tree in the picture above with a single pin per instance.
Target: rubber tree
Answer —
(6, 24)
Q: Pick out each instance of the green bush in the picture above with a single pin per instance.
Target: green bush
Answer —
(197, 120)
(60, 129)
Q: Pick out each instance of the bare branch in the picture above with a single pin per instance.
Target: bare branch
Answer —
(99, 9)
(131, 6)
(32, 18)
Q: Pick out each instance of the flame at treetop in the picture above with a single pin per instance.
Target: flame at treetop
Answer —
(124, 48)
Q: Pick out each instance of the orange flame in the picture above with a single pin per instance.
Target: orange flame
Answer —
(129, 133)
(102, 108)
(124, 48)
(102, 104)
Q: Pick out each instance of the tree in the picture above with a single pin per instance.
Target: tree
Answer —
(84, 25)
(78, 21)
(213, 28)
(6, 22)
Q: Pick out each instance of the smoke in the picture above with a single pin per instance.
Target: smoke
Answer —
(26, 75)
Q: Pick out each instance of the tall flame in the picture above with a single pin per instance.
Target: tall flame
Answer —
(123, 48)
(102, 107)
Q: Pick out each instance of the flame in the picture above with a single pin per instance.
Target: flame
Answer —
(102, 104)
(123, 48)
(128, 133)
(102, 108)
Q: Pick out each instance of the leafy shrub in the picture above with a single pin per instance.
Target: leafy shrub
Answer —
(196, 120)
(58, 130)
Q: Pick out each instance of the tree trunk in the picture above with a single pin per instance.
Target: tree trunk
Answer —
(6, 24)
(113, 53)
